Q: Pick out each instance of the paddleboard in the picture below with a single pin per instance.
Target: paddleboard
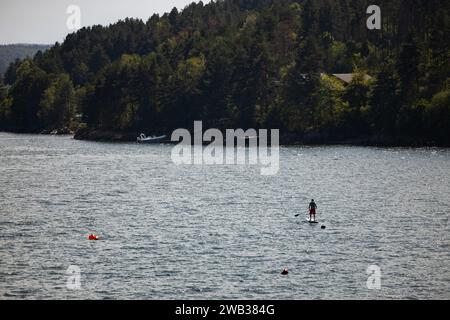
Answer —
(312, 221)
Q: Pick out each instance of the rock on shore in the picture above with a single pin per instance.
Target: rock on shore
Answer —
(105, 135)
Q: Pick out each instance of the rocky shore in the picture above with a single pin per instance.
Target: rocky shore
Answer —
(90, 134)
(105, 135)
(285, 139)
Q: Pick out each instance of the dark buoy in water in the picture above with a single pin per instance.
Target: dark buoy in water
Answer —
(285, 271)
(323, 227)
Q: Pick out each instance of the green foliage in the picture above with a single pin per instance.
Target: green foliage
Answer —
(337, 58)
(116, 95)
(57, 105)
(5, 105)
(357, 96)
(384, 103)
(246, 63)
(331, 108)
(438, 116)
(26, 94)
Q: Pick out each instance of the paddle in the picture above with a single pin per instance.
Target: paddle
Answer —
(297, 215)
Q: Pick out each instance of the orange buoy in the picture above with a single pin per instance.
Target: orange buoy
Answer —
(93, 237)
(285, 271)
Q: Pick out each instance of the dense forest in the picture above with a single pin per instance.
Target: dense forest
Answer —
(247, 64)
(10, 52)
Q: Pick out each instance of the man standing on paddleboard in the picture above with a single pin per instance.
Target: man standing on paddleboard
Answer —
(312, 210)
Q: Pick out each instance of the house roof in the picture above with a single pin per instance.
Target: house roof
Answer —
(348, 77)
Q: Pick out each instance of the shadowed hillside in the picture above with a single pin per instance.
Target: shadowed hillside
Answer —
(10, 52)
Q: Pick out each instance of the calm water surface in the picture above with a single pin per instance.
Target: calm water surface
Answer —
(220, 232)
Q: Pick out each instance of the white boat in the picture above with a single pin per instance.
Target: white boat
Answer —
(153, 139)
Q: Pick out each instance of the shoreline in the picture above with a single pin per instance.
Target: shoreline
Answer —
(285, 139)
(96, 135)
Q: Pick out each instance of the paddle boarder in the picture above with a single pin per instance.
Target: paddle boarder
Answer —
(312, 210)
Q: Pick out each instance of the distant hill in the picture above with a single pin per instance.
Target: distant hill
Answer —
(11, 52)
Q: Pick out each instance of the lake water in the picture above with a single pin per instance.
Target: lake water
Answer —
(221, 232)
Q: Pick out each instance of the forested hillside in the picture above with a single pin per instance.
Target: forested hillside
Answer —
(10, 52)
(247, 63)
